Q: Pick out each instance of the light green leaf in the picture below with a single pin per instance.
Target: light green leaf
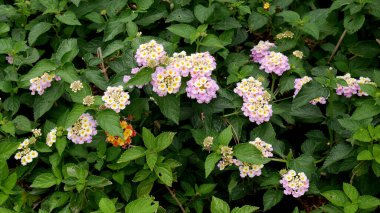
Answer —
(182, 30)
(164, 140)
(338, 152)
(180, 15)
(219, 205)
(109, 120)
(68, 18)
(212, 41)
(247, 152)
(202, 13)
(151, 159)
(351, 192)
(144, 76)
(106, 205)
(44, 180)
(368, 202)
(311, 29)
(245, 209)
(67, 51)
(376, 152)
(37, 30)
(353, 23)
(169, 106)
(7, 149)
(43, 103)
(336, 197)
(132, 154)
(210, 162)
(365, 155)
(74, 115)
(225, 136)
(290, 16)
(165, 174)
(257, 21)
(142, 205)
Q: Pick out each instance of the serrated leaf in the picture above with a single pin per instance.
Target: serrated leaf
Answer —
(142, 205)
(182, 30)
(44, 180)
(210, 162)
(68, 18)
(219, 205)
(132, 154)
(336, 197)
(202, 13)
(271, 198)
(37, 30)
(338, 152)
(107, 206)
(351, 192)
(109, 120)
(170, 107)
(247, 152)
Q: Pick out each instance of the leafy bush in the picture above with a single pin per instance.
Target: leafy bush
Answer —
(189, 106)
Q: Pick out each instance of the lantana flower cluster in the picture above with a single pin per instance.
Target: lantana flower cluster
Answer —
(353, 87)
(51, 137)
(25, 153)
(295, 184)
(39, 84)
(128, 133)
(256, 100)
(299, 82)
(248, 169)
(82, 130)
(169, 71)
(270, 61)
(265, 148)
(166, 81)
(115, 98)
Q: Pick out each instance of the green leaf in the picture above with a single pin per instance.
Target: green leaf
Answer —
(271, 198)
(164, 140)
(376, 152)
(45, 65)
(9, 128)
(165, 174)
(142, 205)
(206, 188)
(4, 28)
(353, 23)
(58, 199)
(311, 29)
(113, 47)
(290, 16)
(219, 205)
(10, 182)
(68, 73)
(170, 107)
(7, 149)
(365, 49)
(132, 154)
(245, 209)
(22, 123)
(247, 152)
(43, 103)
(144, 188)
(109, 120)
(366, 110)
(180, 15)
(336, 197)
(212, 41)
(44, 180)
(339, 3)
(257, 21)
(362, 135)
(227, 24)
(365, 155)
(148, 138)
(37, 30)
(106, 205)
(376, 168)
(144, 76)
(338, 152)
(151, 159)
(67, 51)
(68, 18)
(351, 208)
(113, 28)
(225, 136)
(351, 192)
(74, 115)
(61, 145)
(210, 162)
(202, 13)
(182, 30)
(368, 202)
(98, 181)
(144, 4)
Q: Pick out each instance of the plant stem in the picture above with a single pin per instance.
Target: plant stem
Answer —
(231, 114)
(337, 46)
(102, 67)
(176, 199)
(273, 83)
(282, 99)
(279, 160)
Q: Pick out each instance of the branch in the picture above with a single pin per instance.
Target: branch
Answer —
(176, 199)
(337, 46)
(102, 67)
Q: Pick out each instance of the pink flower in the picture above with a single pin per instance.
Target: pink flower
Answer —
(83, 130)
(39, 84)
(166, 81)
(150, 54)
(276, 63)
(259, 51)
(295, 184)
(202, 64)
(182, 63)
(203, 89)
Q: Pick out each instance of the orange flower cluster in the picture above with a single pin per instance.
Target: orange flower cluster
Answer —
(128, 133)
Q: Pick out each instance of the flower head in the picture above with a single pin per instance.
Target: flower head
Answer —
(39, 84)
(276, 63)
(202, 64)
(203, 89)
(36, 132)
(166, 81)
(207, 143)
(76, 86)
(128, 133)
(298, 54)
(88, 100)
(150, 54)
(259, 51)
(299, 82)
(286, 34)
(82, 130)
(364, 80)
(115, 98)
(51, 137)
(25, 153)
(295, 184)
(265, 148)
(182, 63)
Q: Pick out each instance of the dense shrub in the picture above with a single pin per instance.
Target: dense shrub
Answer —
(189, 106)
